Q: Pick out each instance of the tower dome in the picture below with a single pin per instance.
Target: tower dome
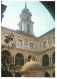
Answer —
(26, 10)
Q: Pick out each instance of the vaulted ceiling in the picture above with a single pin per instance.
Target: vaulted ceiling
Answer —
(50, 5)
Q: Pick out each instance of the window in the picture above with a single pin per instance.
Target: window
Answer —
(44, 44)
(31, 45)
(21, 27)
(28, 28)
(27, 17)
(19, 42)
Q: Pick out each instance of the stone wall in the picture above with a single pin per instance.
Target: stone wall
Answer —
(38, 51)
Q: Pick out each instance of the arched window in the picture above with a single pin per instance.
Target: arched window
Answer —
(53, 58)
(45, 60)
(19, 59)
(47, 74)
(28, 28)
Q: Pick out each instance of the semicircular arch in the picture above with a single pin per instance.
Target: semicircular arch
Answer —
(47, 74)
(6, 56)
(19, 59)
(45, 60)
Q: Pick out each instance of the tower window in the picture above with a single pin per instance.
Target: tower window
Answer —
(28, 28)
(21, 27)
(27, 17)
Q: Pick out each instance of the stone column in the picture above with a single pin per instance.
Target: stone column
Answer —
(14, 60)
(49, 60)
(25, 60)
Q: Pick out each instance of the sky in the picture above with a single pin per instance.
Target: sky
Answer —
(43, 21)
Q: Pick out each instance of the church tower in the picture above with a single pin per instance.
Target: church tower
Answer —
(25, 24)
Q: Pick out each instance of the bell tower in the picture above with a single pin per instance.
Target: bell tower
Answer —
(25, 24)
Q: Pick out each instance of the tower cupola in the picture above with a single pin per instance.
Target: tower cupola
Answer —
(25, 23)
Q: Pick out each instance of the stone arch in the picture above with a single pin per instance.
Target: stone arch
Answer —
(19, 59)
(54, 74)
(6, 56)
(45, 60)
(53, 58)
(47, 74)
